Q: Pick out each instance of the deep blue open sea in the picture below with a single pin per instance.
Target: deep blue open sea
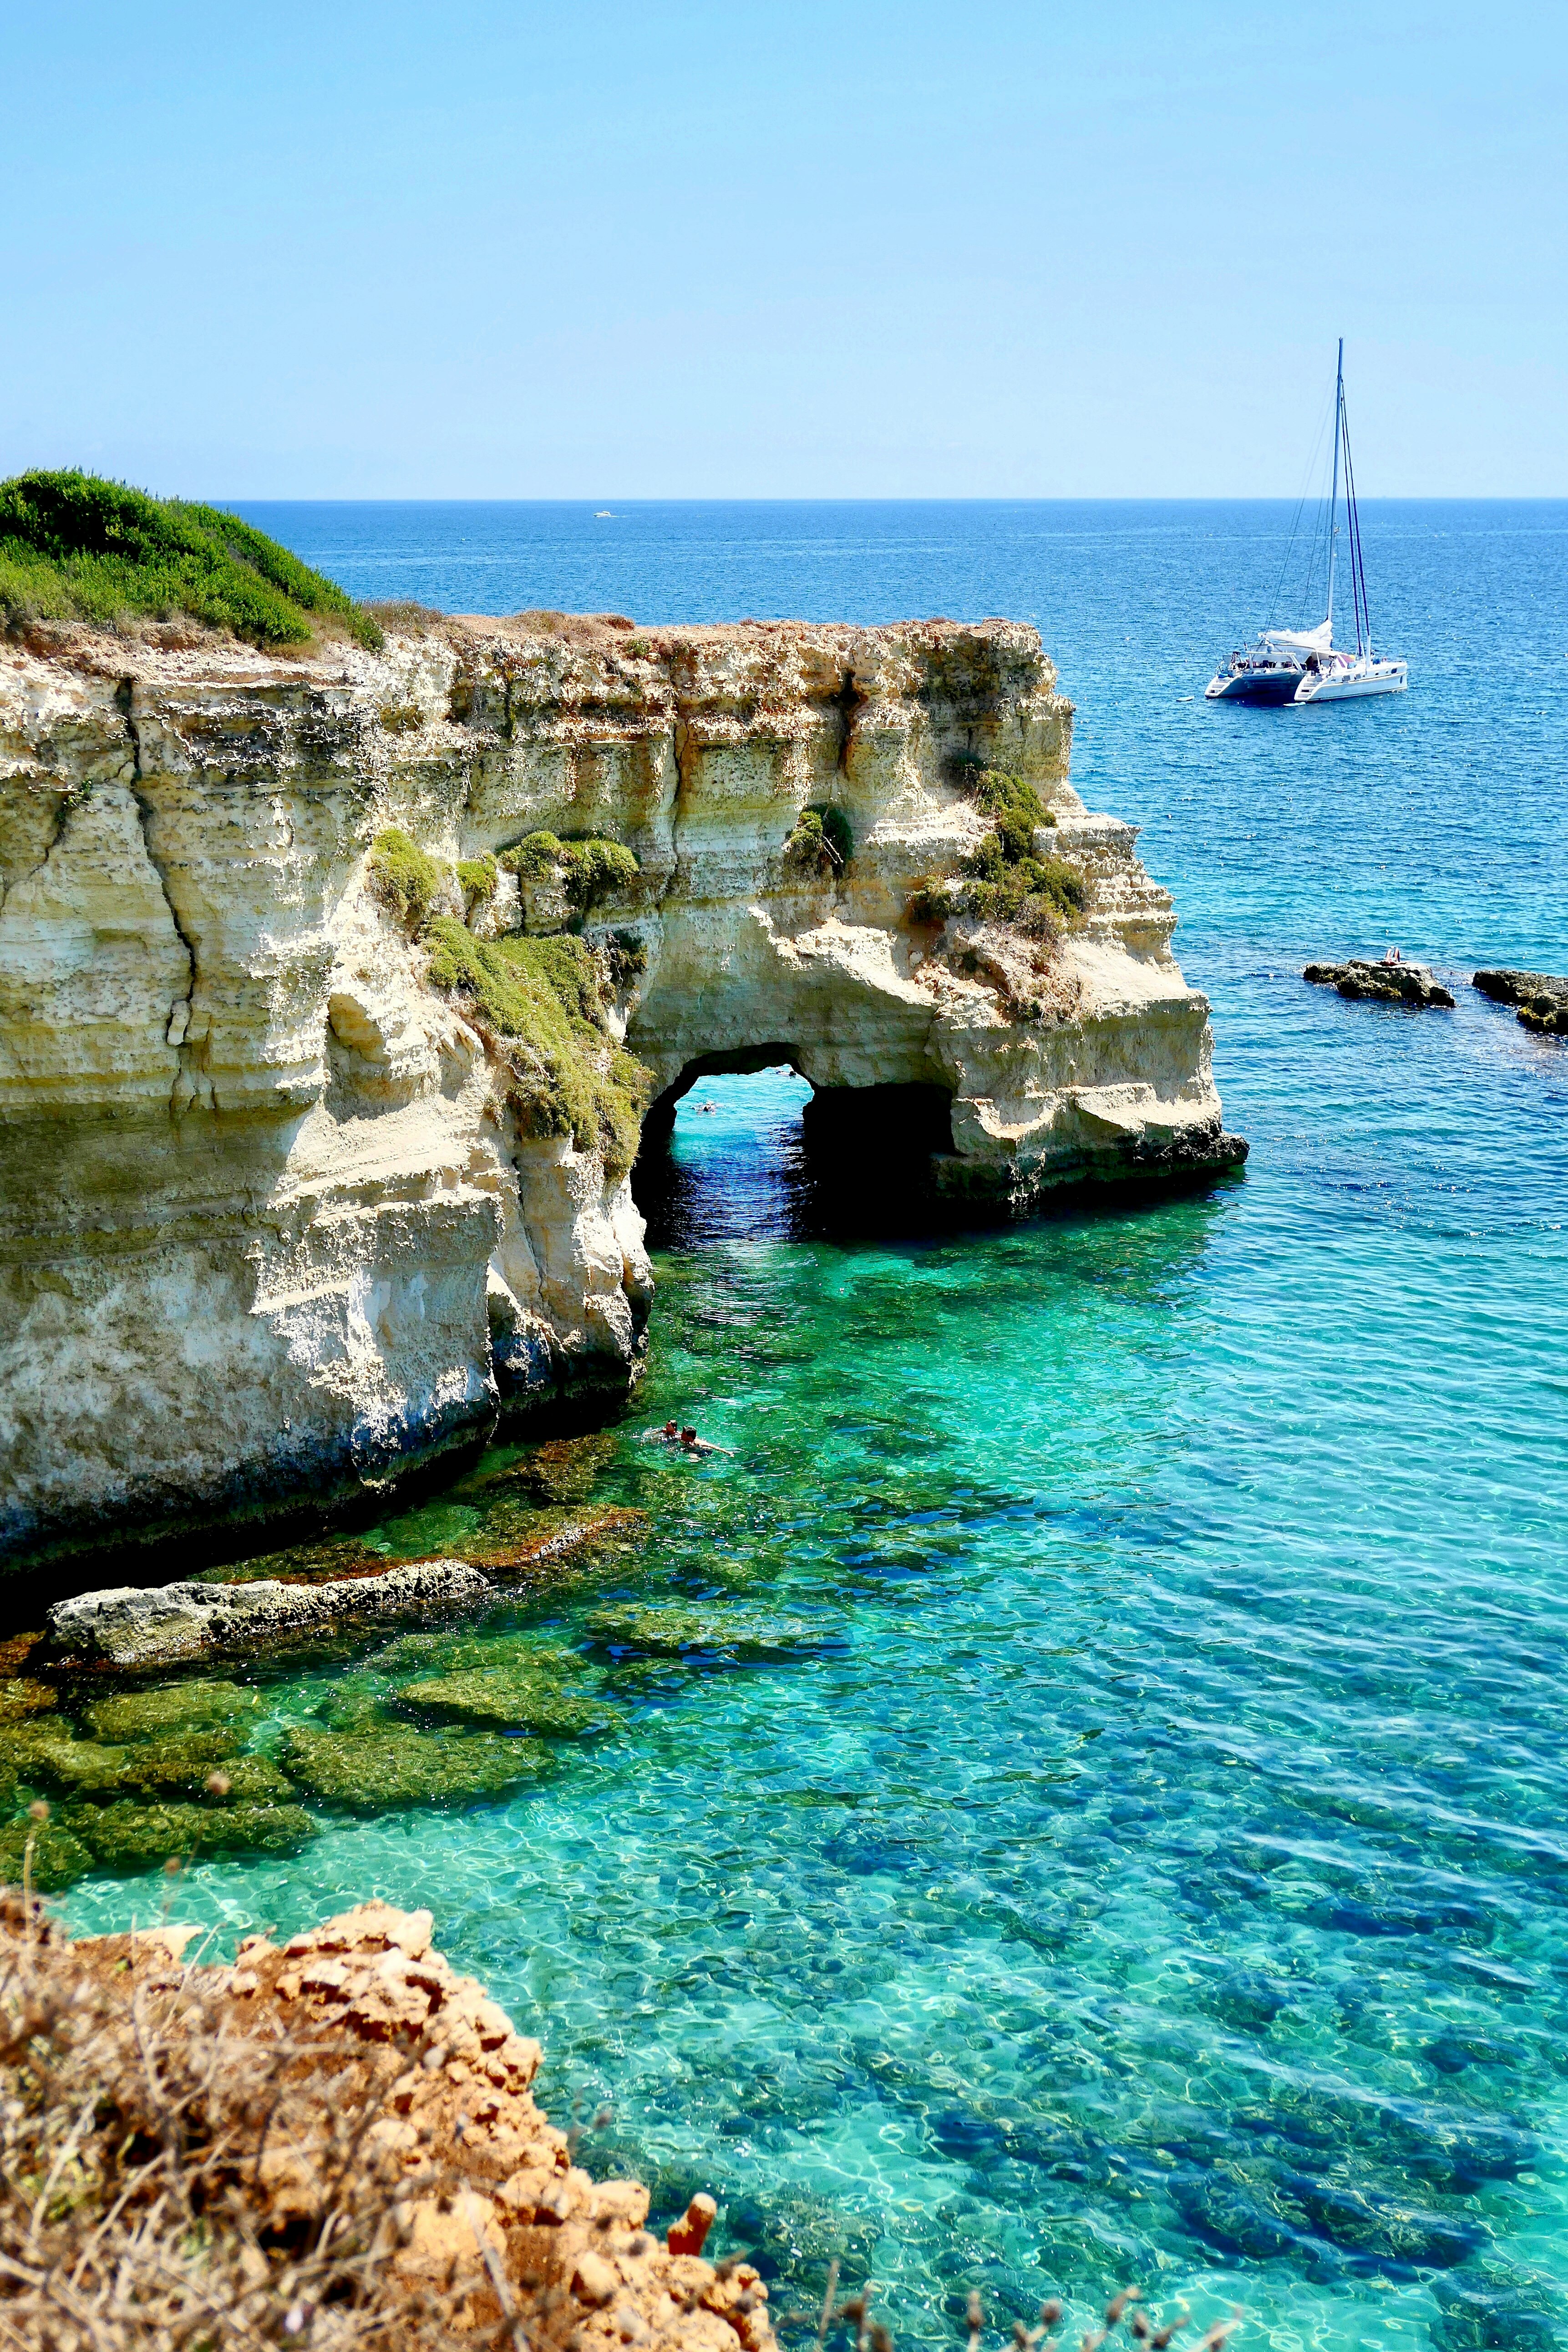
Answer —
(1150, 1864)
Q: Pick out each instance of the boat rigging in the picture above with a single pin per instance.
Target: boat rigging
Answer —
(1302, 666)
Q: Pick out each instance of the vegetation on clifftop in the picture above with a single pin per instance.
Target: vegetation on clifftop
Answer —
(74, 547)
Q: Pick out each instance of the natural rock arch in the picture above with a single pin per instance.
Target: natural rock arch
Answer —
(270, 1227)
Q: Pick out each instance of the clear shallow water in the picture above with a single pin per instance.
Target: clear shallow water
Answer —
(1156, 1871)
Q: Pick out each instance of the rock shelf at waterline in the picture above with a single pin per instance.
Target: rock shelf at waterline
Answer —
(133, 1626)
(335, 986)
(130, 1627)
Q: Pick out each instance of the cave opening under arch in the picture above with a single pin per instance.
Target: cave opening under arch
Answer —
(785, 1156)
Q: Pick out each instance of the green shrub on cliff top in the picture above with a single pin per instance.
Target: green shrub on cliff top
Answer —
(74, 547)
(542, 998)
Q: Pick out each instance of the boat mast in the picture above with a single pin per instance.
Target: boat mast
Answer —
(1335, 492)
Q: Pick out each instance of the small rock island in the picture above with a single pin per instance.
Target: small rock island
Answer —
(1410, 984)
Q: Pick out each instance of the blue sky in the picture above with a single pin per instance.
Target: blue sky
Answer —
(815, 250)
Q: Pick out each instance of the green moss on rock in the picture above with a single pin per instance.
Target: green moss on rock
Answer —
(540, 1692)
(256, 1780)
(174, 1710)
(672, 1632)
(542, 998)
(127, 1836)
(589, 870)
(22, 1695)
(147, 1771)
(58, 1858)
(478, 878)
(76, 1767)
(405, 879)
(383, 1767)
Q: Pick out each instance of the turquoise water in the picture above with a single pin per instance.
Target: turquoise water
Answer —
(1147, 1861)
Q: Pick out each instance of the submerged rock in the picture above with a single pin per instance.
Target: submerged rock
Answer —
(1410, 984)
(184, 1786)
(508, 1698)
(498, 1682)
(21, 1695)
(133, 1627)
(58, 1858)
(126, 1836)
(381, 1766)
(669, 1632)
(1541, 998)
(171, 1710)
(91, 1767)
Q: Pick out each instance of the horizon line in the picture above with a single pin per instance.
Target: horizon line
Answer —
(803, 498)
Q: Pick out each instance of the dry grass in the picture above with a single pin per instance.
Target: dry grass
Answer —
(167, 2178)
(331, 2144)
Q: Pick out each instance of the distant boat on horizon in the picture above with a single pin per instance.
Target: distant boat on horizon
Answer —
(1298, 665)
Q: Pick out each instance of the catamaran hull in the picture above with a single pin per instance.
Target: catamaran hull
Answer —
(1275, 687)
(1396, 680)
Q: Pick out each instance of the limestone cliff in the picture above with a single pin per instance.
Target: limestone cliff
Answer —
(273, 1223)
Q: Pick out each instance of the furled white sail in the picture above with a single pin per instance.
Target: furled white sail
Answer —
(1301, 641)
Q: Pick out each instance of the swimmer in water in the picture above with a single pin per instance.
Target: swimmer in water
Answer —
(687, 1439)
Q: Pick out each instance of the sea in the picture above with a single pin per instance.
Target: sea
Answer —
(1141, 1858)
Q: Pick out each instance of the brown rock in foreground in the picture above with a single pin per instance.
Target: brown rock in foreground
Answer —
(331, 2142)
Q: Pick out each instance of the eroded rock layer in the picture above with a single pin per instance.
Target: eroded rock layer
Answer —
(273, 1223)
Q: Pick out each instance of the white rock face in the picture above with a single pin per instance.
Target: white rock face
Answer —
(270, 1227)
(137, 1626)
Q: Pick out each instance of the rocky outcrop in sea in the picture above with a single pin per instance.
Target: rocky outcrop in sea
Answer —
(1362, 981)
(334, 989)
(1541, 998)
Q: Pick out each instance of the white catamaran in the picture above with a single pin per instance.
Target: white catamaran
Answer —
(1305, 664)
